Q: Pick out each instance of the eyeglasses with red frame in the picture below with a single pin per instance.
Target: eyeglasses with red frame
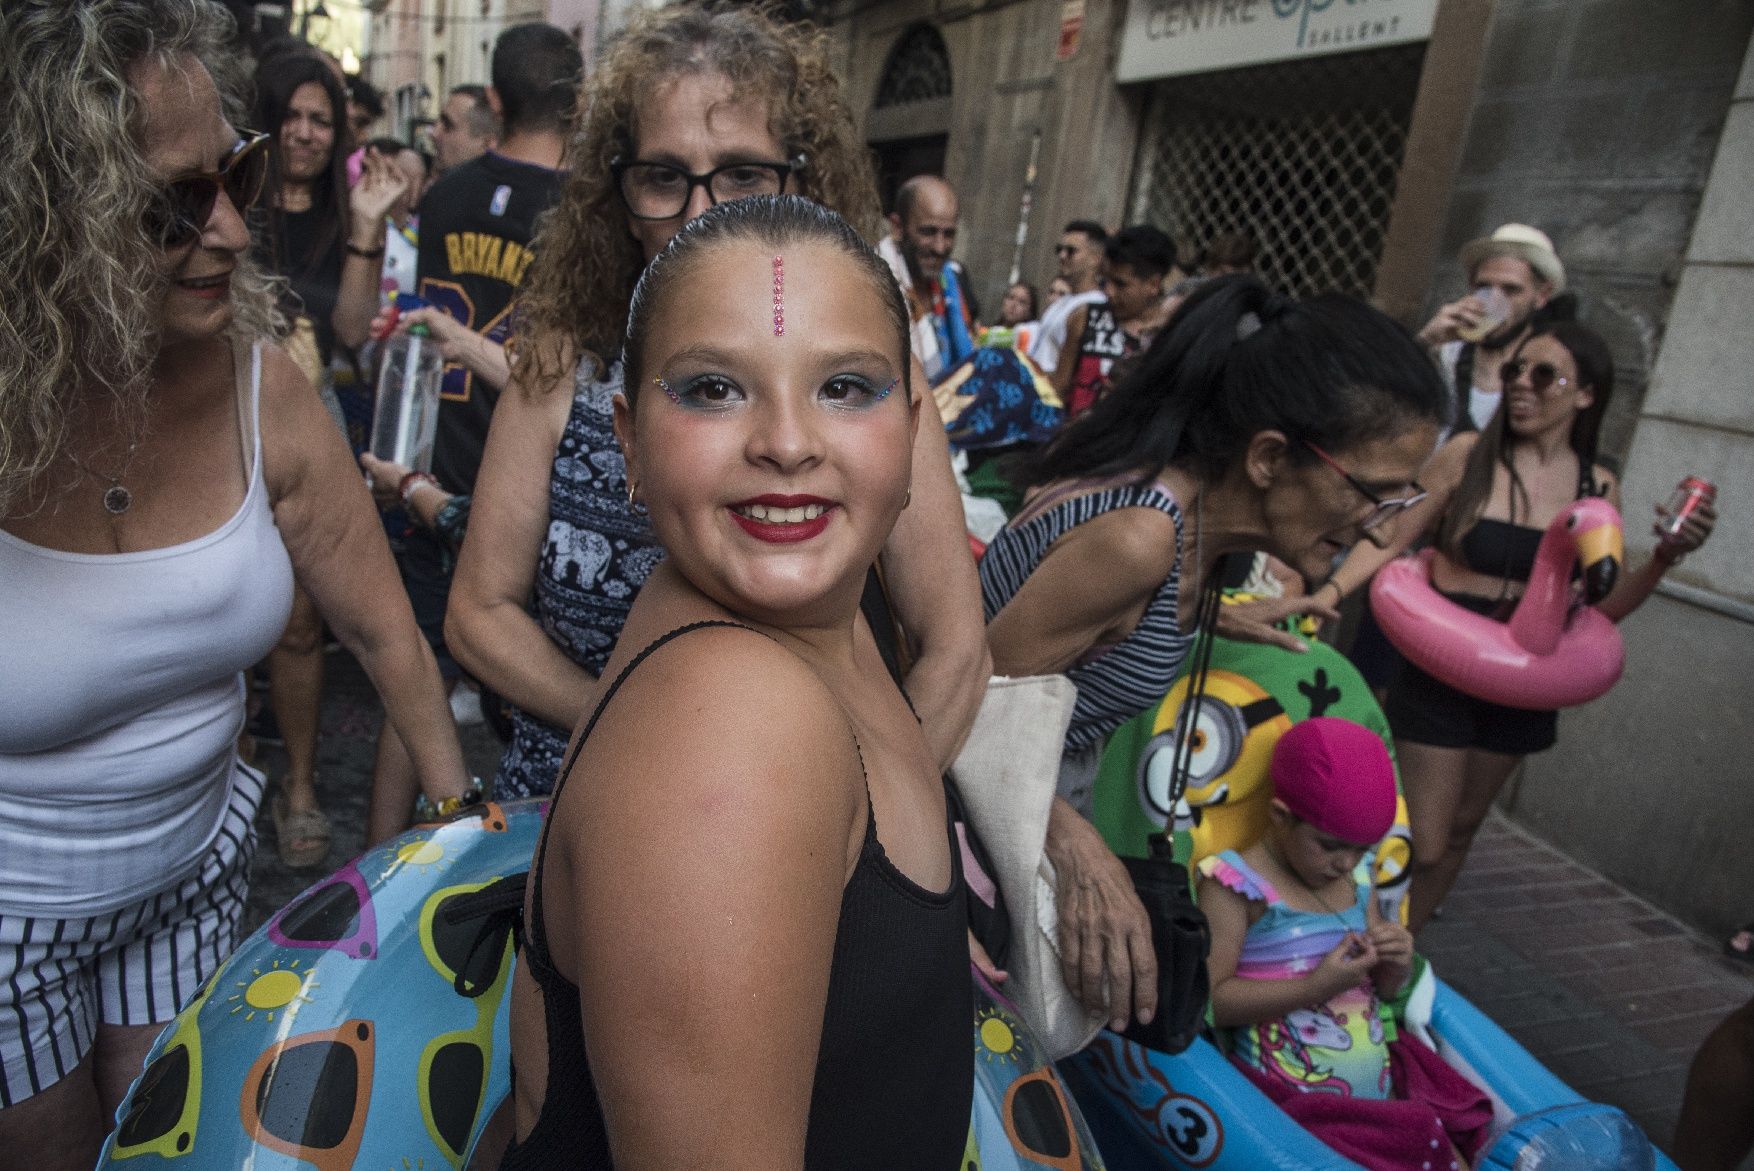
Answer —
(1381, 510)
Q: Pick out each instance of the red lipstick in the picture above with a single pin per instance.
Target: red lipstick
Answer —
(782, 532)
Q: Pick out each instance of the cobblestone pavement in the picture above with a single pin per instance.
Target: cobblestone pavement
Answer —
(1610, 993)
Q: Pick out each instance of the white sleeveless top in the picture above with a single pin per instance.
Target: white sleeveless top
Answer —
(121, 699)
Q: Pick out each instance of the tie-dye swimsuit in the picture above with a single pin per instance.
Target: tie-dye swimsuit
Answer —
(1337, 1047)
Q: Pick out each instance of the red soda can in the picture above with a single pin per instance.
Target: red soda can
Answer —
(1689, 495)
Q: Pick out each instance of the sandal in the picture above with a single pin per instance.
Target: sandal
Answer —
(1740, 946)
(302, 838)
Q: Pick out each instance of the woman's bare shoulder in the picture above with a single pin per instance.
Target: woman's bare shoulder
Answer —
(284, 386)
(1137, 544)
(730, 717)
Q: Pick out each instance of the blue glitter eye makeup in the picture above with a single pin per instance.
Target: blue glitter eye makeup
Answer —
(854, 391)
(705, 392)
(708, 392)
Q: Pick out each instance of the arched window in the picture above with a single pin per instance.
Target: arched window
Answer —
(909, 123)
(918, 70)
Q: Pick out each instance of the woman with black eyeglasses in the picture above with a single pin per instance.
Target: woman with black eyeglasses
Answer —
(687, 108)
(165, 472)
(1492, 495)
(1251, 423)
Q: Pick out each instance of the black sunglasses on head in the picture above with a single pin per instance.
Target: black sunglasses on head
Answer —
(1541, 374)
(184, 205)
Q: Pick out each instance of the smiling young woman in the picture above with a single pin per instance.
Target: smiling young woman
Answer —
(747, 898)
(1493, 493)
(688, 107)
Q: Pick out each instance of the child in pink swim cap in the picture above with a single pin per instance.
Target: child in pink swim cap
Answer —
(1302, 959)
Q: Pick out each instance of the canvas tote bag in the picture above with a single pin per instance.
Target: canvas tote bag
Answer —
(1007, 775)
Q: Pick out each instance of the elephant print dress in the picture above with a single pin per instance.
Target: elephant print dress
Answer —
(596, 556)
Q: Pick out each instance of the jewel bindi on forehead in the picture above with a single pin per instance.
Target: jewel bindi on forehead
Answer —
(779, 301)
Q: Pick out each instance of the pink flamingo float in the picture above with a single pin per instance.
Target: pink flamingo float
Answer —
(1551, 654)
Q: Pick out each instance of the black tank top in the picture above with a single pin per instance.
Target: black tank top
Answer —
(895, 1068)
(1503, 549)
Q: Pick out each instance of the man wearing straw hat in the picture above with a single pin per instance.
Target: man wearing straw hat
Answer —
(1512, 274)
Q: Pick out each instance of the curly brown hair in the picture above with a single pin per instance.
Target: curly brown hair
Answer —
(79, 317)
(575, 296)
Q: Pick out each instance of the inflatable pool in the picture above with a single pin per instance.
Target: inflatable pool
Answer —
(1195, 1110)
(367, 1025)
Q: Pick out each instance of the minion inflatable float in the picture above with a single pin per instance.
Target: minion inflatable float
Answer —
(368, 1025)
(1254, 693)
(1194, 1110)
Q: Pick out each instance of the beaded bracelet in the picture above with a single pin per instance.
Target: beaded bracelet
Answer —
(451, 521)
(426, 810)
(411, 481)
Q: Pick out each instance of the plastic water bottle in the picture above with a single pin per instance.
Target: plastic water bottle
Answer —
(408, 399)
(1576, 1136)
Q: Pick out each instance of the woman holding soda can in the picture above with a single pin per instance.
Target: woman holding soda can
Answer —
(1492, 494)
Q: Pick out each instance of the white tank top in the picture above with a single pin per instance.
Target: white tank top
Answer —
(121, 699)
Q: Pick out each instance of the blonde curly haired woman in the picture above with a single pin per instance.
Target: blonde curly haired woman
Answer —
(688, 108)
(165, 473)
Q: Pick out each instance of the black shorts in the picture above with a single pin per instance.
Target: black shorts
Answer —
(426, 575)
(1424, 710)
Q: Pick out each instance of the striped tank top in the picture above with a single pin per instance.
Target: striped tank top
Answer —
(1118, 682)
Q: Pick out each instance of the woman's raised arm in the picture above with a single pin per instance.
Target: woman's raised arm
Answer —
(931, 578)
(487, 624)
(1637, 585)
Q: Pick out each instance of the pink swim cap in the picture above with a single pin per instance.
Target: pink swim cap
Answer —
(1337, 776)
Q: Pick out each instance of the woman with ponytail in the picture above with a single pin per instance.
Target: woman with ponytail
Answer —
(1252, 423)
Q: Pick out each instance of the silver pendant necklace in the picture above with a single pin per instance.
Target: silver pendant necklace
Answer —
(117, 498)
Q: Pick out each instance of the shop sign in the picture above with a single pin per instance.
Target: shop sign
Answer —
(1165, 38)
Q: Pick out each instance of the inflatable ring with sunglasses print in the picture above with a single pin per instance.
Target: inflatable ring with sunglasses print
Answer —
(368, 1025)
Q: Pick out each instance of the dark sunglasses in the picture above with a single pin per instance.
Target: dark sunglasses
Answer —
(1541, 374)
(184, 205)
(1381, 510)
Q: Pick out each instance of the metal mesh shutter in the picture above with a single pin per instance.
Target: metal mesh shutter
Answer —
(1301, 155)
